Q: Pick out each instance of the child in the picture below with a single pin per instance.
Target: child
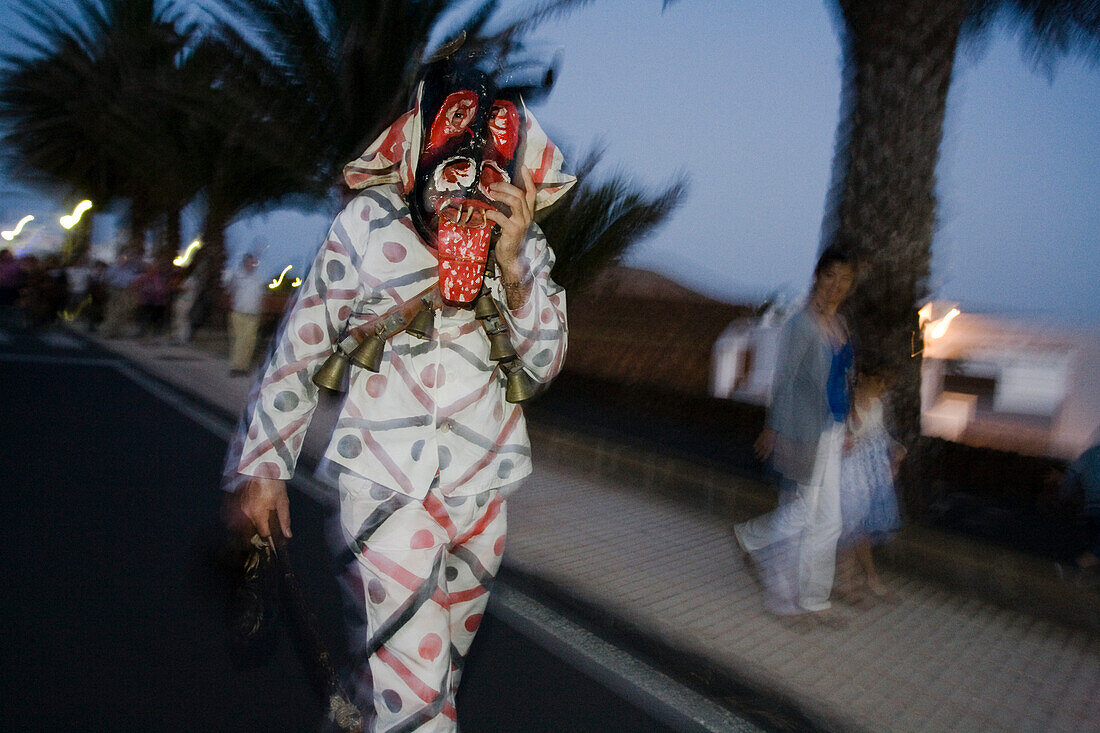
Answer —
(868, 503)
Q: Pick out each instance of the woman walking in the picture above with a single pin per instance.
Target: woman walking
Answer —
(795, 545)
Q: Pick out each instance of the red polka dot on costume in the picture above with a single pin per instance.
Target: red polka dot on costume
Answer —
(422, 540)
(376, 385)
(253, 432)
(498, 546)
(394, 252)
(427, 375)
(376, 590)
(311, 333)
(430, 646)
(547, 315)
(344, 313)
(555, 299)
(473, 622)
(267, 469)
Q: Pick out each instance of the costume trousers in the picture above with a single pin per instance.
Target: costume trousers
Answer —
(243, 328)
(796, 543)
(419, 573)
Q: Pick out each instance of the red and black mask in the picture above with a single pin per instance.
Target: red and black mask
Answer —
(469, 140)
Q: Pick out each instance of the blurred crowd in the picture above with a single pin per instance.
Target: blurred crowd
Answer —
(128, 298)
(132, 298)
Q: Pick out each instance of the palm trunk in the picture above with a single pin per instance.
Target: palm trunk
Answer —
(173, 229)
(78, 240)
(212, 260)
(899, 56)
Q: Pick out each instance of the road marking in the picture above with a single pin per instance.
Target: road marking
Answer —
(68, 360)
(651, 690)
(61, 341)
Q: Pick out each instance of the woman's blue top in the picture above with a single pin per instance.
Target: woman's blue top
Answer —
(837, 386)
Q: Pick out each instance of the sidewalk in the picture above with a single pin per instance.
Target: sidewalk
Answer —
(596, 532)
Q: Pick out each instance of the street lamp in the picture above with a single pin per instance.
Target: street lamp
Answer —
(13, 233)
(69, 220)
(184, 259)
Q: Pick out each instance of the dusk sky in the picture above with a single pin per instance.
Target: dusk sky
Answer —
(743, 98)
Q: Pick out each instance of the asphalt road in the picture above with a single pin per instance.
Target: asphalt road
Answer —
(113, 603)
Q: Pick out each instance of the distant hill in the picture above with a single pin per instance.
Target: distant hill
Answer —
(637, 327)
(633, 282)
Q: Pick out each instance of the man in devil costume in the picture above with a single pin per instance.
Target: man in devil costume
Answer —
(426, 448)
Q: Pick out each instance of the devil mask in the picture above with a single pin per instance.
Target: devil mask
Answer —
(461, 136)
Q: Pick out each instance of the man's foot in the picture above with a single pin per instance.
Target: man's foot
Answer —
(881, 592)
(850, 593)
(830, 617)
(746, 557)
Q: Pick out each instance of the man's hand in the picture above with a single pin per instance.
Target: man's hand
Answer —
(515, 273)
(765, 443)
(253, 502)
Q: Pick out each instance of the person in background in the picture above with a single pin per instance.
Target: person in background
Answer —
(187, 294)
(153, 290)
(1082, 478)
(12, 278)
(246, 295)
(120, 297)
(96, 295)
(868, 502)
(795, 545)
(45, 292)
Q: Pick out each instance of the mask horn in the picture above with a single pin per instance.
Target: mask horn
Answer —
(448, 48)
(368, 354)
(333, 373)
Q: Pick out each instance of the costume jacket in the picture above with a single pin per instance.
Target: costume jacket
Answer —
(436, 407)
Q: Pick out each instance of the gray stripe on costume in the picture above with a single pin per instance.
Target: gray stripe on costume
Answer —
(469, 356)
(392, 424)
(423, 274)
(344, 238)
(485, 443)
(383, 202)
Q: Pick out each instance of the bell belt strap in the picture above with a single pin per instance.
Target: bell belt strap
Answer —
(393, 321)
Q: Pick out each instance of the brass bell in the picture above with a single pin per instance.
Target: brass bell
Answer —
(521, 387)
(485, 306)
(423, 323)
(500, 346)
(333, 373)
(368, 354)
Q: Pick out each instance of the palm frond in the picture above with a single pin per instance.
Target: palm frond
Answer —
(597, 222)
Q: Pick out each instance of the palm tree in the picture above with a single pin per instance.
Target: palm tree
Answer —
(347, 69)
(92, 106)
(899, 56)
(349, 65)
